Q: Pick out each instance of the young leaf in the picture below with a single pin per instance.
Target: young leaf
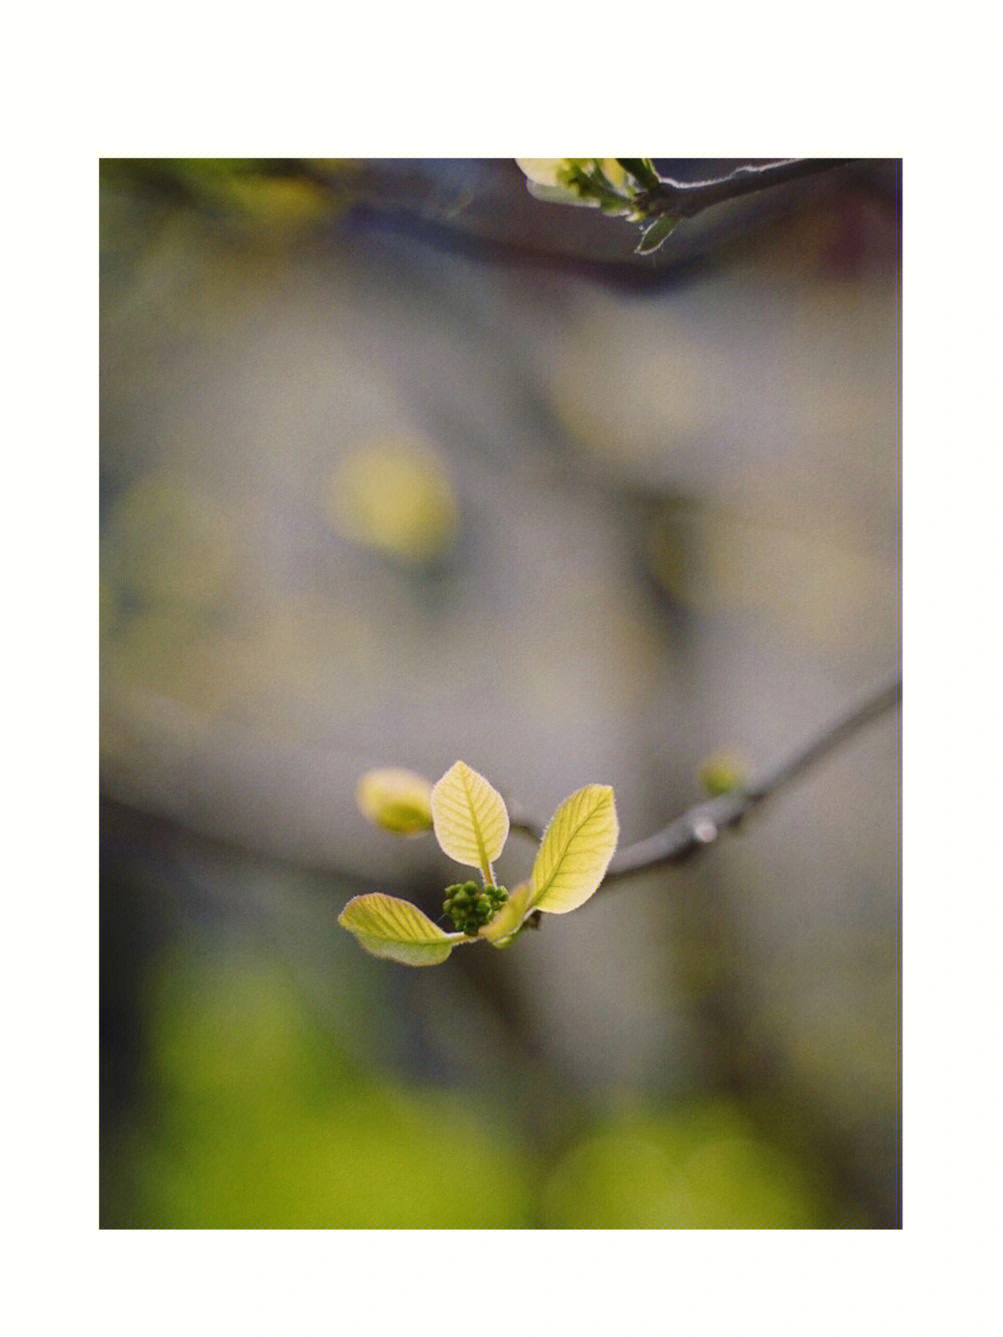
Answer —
(656, 233)
(469, 818)
(390, 927)
(395, 799)
(500, 930)
(575, 851)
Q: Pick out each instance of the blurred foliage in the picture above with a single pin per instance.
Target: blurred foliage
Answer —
(253, 1118)
(274, 193)
(260, 1122)
(719, 563)
(169, 544)
(698, 1167)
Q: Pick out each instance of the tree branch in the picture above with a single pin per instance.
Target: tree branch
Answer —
(684, 199)
(702, 824)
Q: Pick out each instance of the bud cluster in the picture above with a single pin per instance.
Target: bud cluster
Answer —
(470, 906)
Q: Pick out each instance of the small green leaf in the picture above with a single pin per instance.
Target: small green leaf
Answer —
(506, 923)
(390, 927)
(575, 851)
(469, 818)
(656, 233)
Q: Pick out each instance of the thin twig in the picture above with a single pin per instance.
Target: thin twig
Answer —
(701, 825)
(684, 199)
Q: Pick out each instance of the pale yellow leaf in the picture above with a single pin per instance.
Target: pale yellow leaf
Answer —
(390, 927)
(469, 818)
(396, 799)
(575, 851)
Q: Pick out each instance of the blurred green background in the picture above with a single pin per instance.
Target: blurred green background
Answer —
(400, 465)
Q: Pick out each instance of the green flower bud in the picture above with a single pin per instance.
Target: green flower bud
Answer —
(722, 774)
(464, 906)
(470, 906)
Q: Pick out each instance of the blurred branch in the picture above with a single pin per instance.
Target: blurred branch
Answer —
(685, 199)
(521, 820)
(702, 824)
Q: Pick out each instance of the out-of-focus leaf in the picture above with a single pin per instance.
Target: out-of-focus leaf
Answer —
(396, 799)
(390, 927)
(470, 818)
(572, 180)
(575, 852)
(656, 233)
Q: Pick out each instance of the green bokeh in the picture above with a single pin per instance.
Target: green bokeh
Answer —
(702, 1167)
(258, 1121)
(257, 1118)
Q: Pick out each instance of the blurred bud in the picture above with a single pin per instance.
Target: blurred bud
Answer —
(596, 182)
(721, 774)
(397, 800)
